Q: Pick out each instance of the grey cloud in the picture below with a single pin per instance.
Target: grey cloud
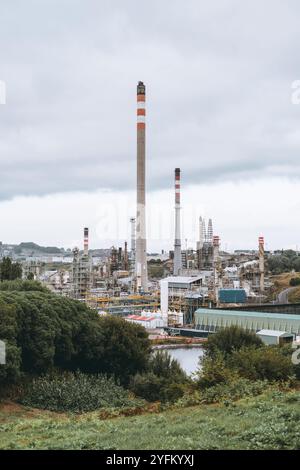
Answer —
(218, 79)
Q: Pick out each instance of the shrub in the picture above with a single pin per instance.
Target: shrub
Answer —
(126, 348)
(148, 386)
(49, 331)
(163, 365)
(232, 391)
(265, 363)
(163, 381)
(295, 281)
(214, 371)
(231, 339)
(20, 285)
(76, 392)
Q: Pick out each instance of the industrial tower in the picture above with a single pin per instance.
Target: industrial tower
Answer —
(177, 245)
(261, 252)
(141, 249)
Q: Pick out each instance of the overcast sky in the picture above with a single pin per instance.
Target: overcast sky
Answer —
(219, 78)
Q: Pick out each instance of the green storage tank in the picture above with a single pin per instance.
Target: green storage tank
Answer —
(232, 296)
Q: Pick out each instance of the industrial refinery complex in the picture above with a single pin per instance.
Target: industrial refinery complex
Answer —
(192, 291)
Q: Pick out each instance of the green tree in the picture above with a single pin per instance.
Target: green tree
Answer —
(9, 372)
(214, 370)
(163, 380)
(265, 363)
(231, 339)
(10, 270)
(126, 348)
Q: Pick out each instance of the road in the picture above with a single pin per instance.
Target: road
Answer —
(283, 297)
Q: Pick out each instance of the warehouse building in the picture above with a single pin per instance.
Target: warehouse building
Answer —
(213, 320)
(272, 337)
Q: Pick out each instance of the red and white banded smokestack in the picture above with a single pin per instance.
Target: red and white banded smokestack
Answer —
(261, 249)
(141, 250)
(177, 244)
(86, 241)
(177, 186)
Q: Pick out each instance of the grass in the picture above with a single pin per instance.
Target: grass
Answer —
(270, 421)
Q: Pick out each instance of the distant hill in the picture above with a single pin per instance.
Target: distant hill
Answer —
(25, 246)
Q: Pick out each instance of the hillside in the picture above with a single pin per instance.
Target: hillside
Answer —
(280, 283)
(266, 422)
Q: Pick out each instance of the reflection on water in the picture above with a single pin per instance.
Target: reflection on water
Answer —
(188, 358)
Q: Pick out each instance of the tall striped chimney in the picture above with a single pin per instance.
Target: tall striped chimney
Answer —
(177, 245)
(86, 241)
(141, 249)
(261, 248)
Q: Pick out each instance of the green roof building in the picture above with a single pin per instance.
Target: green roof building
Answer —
(213, 320)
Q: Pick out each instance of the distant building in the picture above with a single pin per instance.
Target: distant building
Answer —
(232, 296)
(272, 337)
(213, 320)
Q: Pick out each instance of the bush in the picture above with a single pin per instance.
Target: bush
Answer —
(76, 392)
(163, 381)
(295, 281)
(231, 339)
(163, 365)
(19, 285)
(214, 371)
(148, 386)
(49, 331)
(9, 372)
(232, 391)
(126, 348)
(265, 363)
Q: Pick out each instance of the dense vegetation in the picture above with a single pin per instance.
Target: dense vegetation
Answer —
(163, 379)
(286, 261)
(295, 281)
(234, 353)
(269, 421)
(43, 331)
(76, 392)
(9, 270)
(64, 357)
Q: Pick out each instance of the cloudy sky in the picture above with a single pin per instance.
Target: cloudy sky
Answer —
(222, 104)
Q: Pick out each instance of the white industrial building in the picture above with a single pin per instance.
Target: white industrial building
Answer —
(272, 337)
(178, 288)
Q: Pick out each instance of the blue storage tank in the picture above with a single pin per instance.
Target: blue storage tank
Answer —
(232, 296)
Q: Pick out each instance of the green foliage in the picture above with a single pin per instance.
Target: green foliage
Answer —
(163, 380)
(234, 390)
(148, 386)
(231, 339)
(269, 421)
(295, 281)
(49, 331)
(9, 372)
(19, 285)
(126, 348)
(9, 270)
(265, 363)
(214, 371)
(76, 392)
(285, 262)
(233, 353)
(163, 365)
